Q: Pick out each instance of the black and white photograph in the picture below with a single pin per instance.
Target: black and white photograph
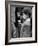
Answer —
(21, 22)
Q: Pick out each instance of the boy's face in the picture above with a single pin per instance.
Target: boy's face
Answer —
(25, 16)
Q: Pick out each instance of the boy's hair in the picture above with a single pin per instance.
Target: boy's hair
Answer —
(27, 11)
